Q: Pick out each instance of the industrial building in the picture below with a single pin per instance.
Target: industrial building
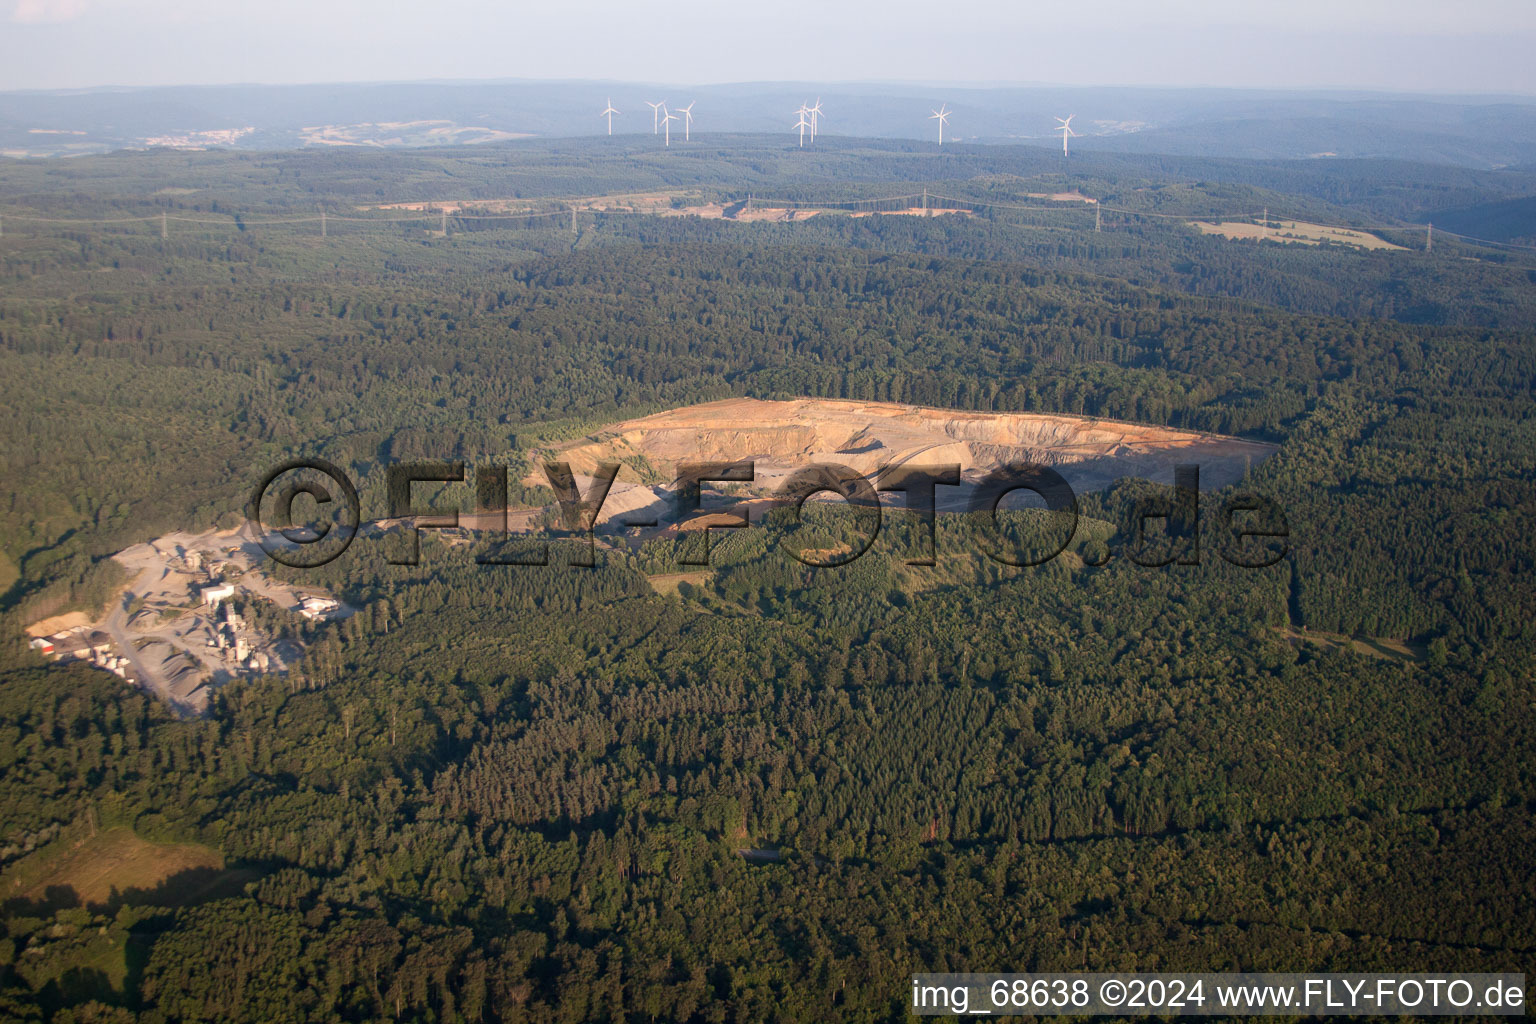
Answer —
(316, 607)
(218, 592)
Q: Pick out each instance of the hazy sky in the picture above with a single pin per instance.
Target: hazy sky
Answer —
(1420, 45)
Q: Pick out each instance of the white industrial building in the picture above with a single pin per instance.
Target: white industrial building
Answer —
(315, 607)
(217, 593)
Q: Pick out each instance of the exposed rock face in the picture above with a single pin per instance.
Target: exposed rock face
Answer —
(781, 436)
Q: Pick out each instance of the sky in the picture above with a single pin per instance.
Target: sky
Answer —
(1434, 46)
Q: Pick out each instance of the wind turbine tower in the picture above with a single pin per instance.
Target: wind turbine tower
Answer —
(1066, 131)
(802, 124)
(655, 115)
(942, 116)
(667, 117)
(687, 119)
(815, 113)
(608, 112)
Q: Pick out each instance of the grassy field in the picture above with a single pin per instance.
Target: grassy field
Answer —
(78, 882)
(667, 583)
(1372, 647)
(115, 866)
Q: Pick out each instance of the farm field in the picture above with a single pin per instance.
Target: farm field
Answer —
(1298, 232)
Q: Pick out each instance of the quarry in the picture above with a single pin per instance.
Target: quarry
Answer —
(781, 436)
(174, 630)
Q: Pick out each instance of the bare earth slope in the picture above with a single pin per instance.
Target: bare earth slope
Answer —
(780, 436)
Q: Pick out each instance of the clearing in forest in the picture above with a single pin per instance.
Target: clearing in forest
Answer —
(1296, 231)
(102, 868)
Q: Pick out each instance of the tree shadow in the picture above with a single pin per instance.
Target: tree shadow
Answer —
(184, 888)
(78, 985)
(136, 950)
(54, 899)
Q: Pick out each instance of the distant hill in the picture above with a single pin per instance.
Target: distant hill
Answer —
(1328, 136)
(1481, 132)
(1512, 220)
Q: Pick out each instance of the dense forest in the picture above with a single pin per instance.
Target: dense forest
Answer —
(769, 791)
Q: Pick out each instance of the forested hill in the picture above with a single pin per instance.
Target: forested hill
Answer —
(1376, 189)
(524, 794)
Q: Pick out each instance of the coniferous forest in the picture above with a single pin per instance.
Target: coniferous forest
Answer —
(767, 792)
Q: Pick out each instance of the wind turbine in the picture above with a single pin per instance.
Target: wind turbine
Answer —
(687, 119)
(608, 112)
(655, 115)
(1066, 131)
(667, 117)
(815, 113)
(942, 115)
(803, 124)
